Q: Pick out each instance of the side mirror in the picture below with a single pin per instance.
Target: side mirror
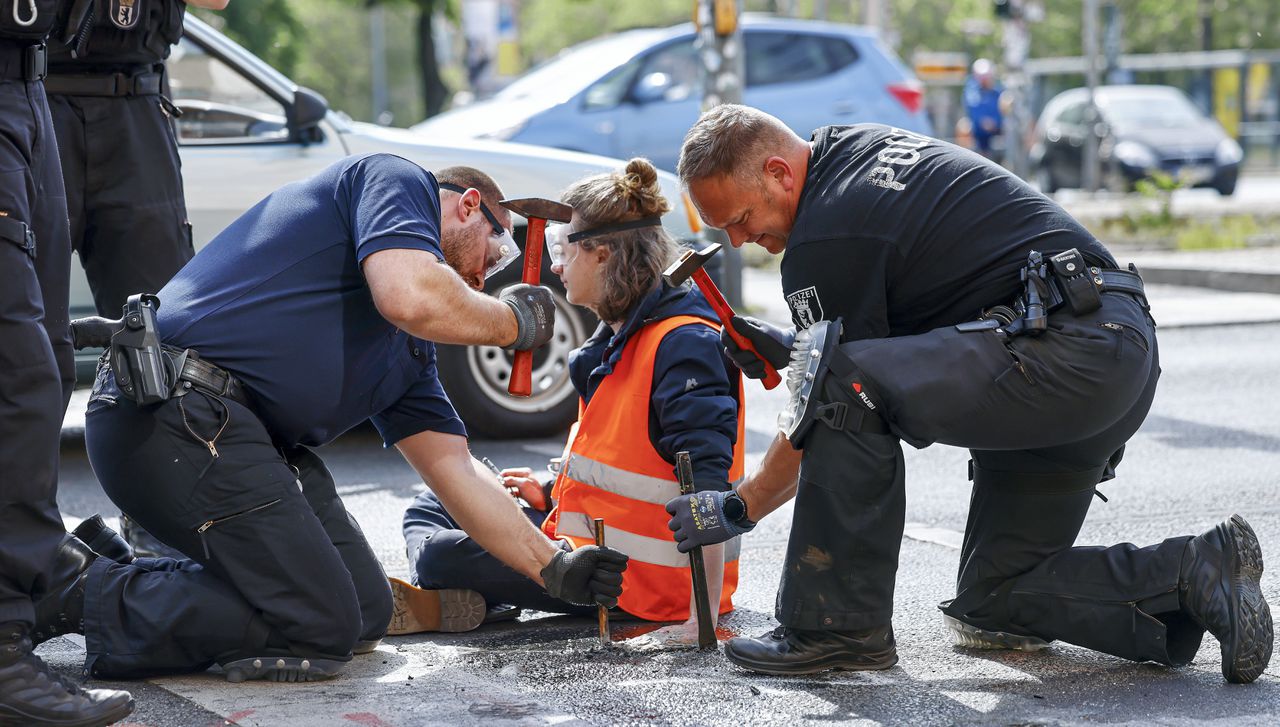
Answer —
(653, 87)
(305, 114)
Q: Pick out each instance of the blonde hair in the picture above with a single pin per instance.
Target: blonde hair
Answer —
(729, 139)
(638, 256)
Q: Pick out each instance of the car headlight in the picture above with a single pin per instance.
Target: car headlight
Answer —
(1136, 155)
(1228, 152)
(506, 132)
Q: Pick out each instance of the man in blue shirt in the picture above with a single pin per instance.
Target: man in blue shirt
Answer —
(314, 311)
(982, 104)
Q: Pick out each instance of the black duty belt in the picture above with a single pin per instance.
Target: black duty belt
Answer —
(1105, 280)
(195, 372)
(23, 62)
(147, 83)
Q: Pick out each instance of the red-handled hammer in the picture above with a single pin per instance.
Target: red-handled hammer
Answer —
(537, 211)
(690, 264)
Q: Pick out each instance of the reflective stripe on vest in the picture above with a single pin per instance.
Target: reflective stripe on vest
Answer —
(649, 550)
(612, 471)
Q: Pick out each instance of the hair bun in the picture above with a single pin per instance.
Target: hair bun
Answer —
(639, 183)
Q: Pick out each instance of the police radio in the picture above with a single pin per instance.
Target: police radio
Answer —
(141, 368)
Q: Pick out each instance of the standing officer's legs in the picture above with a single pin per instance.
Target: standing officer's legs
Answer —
(35, 381)
(125, 177)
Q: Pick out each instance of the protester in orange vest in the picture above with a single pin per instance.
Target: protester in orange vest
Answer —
(656, 345)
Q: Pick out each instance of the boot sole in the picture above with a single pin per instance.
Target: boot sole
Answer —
(1247, 650)
(972, 637)
(835, 662)
(449, 610)
(282, 669)
(13, 718)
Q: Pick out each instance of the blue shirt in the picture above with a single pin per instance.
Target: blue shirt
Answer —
(278, 298)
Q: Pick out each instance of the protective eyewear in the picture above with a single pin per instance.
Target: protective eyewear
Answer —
(557, 237)
(502, 247)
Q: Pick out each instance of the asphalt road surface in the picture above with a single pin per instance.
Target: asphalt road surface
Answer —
(1211, 447)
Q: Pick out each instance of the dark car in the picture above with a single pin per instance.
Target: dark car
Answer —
(1142, 130)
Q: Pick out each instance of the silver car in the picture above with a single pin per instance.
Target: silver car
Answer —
(246, 130)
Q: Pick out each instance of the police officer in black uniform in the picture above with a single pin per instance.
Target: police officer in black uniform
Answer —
(35, 376)
(109, 96)
(940, 299)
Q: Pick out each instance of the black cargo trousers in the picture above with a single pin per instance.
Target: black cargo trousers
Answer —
(36, 365)
(1045, 419)
(278, 566)
(123, 178)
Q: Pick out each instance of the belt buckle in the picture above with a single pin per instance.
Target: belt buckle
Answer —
(35, 62)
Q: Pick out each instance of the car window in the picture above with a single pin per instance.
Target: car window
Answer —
(609, 91)
(1073, 115)
(1151, 110)
(788, 57)
(670, 73)
(220, 105)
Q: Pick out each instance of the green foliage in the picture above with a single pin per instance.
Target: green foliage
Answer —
(268, 28)
(1221, 234)
(1159, 187)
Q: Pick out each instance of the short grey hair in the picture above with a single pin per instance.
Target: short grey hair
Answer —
(727, 140)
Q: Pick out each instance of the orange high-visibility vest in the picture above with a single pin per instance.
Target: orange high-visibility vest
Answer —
(611, 470)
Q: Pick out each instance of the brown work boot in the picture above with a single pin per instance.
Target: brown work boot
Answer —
(32, 695)
(61, 609)
(1218, 587)
(795, 651)
(417, 609)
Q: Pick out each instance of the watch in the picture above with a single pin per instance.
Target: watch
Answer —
(735, 508)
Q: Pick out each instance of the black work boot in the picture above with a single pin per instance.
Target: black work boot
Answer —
(143, 543)
(1218, 588)
(32, 695)
(61, 610)
(103, 540)
(794, 651)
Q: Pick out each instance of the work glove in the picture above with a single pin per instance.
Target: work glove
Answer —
(535, 314)
(773, 343)
(698, 519)
(585, 576)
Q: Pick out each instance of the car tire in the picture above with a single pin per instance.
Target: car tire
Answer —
(476, 379)
(1226, 187)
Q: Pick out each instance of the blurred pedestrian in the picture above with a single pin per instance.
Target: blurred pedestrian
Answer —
(35, 379)
(982, 106)
(115, 123)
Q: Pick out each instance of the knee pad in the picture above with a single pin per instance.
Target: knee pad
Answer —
(826, 388)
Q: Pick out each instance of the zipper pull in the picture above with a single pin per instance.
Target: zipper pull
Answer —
(206, 526)
(1023, 370)
(212, 449)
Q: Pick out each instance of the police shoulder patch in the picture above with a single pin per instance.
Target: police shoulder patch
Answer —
(806, 307)
(124, 13)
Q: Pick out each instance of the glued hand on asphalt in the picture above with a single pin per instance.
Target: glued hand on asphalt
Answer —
(535, 311)
(699, 519)
(772, 343)
(586, 576)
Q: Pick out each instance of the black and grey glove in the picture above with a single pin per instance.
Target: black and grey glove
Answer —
(773, 343)
(586, 576)
(706, 518)
(535, 314)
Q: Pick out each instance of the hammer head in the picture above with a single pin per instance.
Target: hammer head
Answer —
(546, 209)
(680, 270)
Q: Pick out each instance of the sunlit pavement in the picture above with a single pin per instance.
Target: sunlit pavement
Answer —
(1210, 447)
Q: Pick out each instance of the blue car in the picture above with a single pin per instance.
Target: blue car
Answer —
(636, 93)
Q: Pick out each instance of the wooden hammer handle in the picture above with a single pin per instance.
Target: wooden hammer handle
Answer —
(725, 312)
(521, 383)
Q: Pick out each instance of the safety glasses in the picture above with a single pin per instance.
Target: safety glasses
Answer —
(557, 237)
(502, 250)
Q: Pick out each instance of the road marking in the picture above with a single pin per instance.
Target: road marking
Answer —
(937, 536)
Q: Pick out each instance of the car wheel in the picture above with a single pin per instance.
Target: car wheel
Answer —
(1226, 187)
(476, 378)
